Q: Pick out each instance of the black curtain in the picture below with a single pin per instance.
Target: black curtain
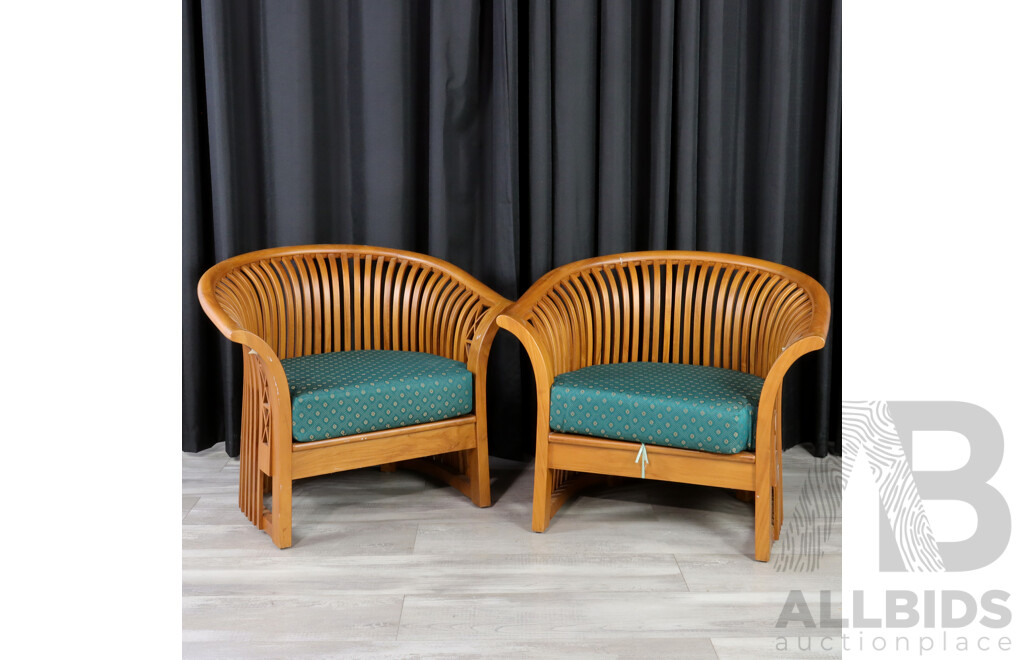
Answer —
(509, 138)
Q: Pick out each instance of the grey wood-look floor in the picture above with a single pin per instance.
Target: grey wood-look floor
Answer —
(397, 565)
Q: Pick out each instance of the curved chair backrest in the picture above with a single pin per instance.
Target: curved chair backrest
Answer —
(696, 308)
(323, 298)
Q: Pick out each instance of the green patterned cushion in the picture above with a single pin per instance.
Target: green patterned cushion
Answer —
(352, 392)
(674, 405)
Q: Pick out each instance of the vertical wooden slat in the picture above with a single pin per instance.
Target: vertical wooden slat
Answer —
(303, 310)
(440, 315)
(265, 291)
(346, 301)
(738, 307)
(722, 294)
(683, 272)
(333, 311)
(600, 318)
(357, 302)
(755, 325)
(292, 307)
(281, 346)
(451, 348)
(709, 301)
(587, 315)
(317, 294)
(666, 348)
(621, 292)
(547, 314)
(775, 316)
(611, 318)
(232, 294)
(326, 308)
(454, 347)
(572, 320)
(655, 313)
(392, 281)
(771, 344)
(635, 313)
(645, 328)
(691, 339)
(366, 301)
(748, 312)
(418, 311)
(377, 299)
(463, 329)
(431, 292)
(293, 290)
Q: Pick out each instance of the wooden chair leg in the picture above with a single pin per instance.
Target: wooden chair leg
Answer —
(250, 486)
(776, 511)
(281, 512)
(543, 485)
(263, 487)
(479, 472)
(743, 495)
(777, 488)
(763, 523)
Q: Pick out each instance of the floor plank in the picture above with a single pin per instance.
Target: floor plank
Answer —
(669, 648)
(427, 574)
(284, 617)
(569, 616)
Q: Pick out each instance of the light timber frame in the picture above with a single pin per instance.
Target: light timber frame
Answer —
(696, 308)
(294, 301)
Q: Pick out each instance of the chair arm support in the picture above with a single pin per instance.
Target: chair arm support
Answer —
(540, 356)
(271, 364)
(483, 338)
(795, 349)
(773, 385)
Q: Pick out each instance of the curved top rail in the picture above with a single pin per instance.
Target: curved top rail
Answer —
(319, 298)
(819, 296)
(670, 306)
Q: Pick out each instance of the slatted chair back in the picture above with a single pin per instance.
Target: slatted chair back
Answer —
(690, 308)
(340, 298)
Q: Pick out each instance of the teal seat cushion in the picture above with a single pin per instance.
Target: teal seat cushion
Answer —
(352, 392)
(673, 405)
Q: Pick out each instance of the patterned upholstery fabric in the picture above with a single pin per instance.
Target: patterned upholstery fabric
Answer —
(352, 392)
(673, 405)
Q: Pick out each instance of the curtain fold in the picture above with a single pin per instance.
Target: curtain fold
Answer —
(509, 138)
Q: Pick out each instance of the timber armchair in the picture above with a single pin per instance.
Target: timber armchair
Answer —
(354, 357)
(666, 365)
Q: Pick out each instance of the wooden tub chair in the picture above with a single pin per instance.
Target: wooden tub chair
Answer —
(666, 365)
(354, 357)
